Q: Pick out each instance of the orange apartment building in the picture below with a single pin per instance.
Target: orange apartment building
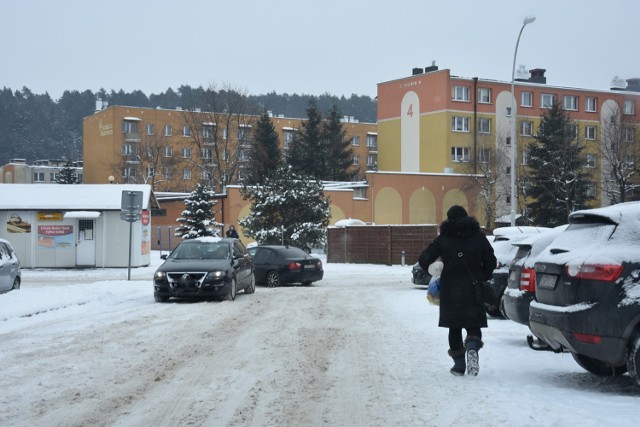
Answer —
(435, 122)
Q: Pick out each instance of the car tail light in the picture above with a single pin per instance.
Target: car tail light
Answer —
(586, 338)
(602, 272)
(528, 280)
(294, 265)
(319, 265)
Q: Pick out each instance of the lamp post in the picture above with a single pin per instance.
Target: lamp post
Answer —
(527, 20)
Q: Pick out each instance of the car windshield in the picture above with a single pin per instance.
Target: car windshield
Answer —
(201, 250)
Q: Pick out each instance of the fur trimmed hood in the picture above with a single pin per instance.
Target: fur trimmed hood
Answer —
(460, 227)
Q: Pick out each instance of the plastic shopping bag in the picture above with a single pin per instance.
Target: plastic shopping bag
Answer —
(433, 292)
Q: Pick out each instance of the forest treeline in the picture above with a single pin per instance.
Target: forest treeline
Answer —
(35, 126)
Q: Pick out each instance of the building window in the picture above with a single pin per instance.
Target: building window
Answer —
(508, 141)
(372, 142)
(629, 107)
(38, 177)
(356, 160)
(207, 134)
(572, 131)
(186, 131)
(508, 170)
(460, 124)
(590, 104)
(127, 149)
(508, 111)
(484, 155)
(460, 93)
(288, 138)
(150, 172)
(243, 135)
(526, 128)
(168, 173)
(186, 153)
(206, 153)
(526, 99)
(225, 134)
(524, 157)
(591, 189)
(129, 127)
(570, 102)
(459, 154)
(355, 141)
(628, 134)
(590, 160)
(372, 159)
(547, 100)
(128, 172)
(205, 175)
(484, 125)
(590, 132)
(484, 95)
(151, 129)
(186, 173)
(168, 151)
(168, 130)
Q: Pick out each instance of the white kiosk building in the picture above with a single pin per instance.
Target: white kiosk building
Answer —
(75, 225)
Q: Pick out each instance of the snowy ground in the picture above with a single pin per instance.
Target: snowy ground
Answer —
(360, 348)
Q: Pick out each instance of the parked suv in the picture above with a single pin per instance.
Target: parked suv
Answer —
(521, 285)
(504, 238)
(588, 291)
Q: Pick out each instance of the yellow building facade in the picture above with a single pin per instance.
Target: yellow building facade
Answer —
(434, 122)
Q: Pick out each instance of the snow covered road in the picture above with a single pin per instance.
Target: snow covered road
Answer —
(360, 348)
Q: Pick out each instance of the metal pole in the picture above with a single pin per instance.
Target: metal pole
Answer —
(130, 237)
(513, 204)
(160, 239)
(169, 230)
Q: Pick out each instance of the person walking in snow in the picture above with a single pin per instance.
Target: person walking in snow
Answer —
(231, 232)
(461, 242)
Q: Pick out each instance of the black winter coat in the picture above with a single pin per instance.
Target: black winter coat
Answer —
(459, 306)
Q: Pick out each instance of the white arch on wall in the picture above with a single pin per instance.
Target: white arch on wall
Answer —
(410, 133)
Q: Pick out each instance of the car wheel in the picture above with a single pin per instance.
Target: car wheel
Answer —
(231, 296)
(306, 283)
(16, 283)
(633, 358)
(273, 279)
(160, 298)
(598, 367)
(252, 286)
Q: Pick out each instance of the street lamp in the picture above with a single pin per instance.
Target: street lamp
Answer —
(527, 20)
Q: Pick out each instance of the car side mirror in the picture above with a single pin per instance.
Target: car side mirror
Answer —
(164, 256)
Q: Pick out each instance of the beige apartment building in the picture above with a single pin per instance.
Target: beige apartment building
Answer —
(172, 150)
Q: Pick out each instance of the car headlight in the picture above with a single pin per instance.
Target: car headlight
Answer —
(216, 275)
(160, 275)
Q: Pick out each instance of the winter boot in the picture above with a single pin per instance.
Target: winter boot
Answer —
(473, 345)
(459, 364)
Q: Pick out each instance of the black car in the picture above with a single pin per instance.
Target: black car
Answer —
(276, 265)
(419, 277)
(205, 267)
(588, 291)
(521, 285)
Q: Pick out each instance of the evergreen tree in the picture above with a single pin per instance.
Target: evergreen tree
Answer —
(307, 153)
(339, 162)
(265, 154)
(558, 182)
(197, 219)
(67, 174)
(287, 209)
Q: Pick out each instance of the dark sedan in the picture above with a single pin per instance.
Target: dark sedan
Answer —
(205, 267)
(419, 277)
(276, 265)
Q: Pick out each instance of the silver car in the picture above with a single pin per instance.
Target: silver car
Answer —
(9, 268)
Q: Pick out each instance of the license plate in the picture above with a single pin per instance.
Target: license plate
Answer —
(309, 266)
(547, 281)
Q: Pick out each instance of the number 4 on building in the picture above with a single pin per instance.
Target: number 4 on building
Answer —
(410, 111)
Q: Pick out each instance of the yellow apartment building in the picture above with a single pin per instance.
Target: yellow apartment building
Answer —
(435, 122)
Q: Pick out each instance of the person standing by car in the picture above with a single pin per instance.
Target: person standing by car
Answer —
(231, 232)
(465, 252)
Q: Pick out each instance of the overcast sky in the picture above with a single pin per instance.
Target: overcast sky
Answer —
(308, 47)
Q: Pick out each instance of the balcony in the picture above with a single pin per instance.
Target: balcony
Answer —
(131, 136)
